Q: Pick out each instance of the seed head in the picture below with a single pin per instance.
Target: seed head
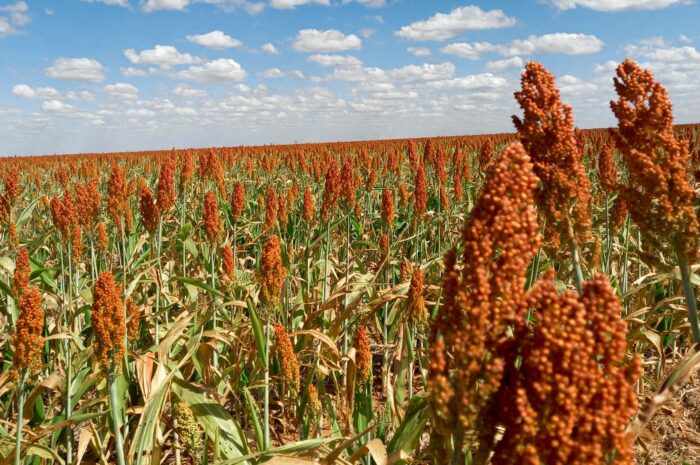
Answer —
(308, 206)
(658, 192)
(77, 243)
(480, 301)
(272, 271)
(388, 213)
(270, 211)
(227, 263)
(166, 186)
(87, 204)
(108, 323)
(117, 196)
(547, 133)
(420, 194)
(288, 359)
(28, 338)
(363, 355)
(102, 238)
(213, 226)
(607, 172)
(237, 201)
(150, 213)
(20, 279)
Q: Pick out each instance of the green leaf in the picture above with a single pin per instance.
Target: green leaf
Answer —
(213, 418)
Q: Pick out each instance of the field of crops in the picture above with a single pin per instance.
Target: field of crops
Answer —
(521, 298)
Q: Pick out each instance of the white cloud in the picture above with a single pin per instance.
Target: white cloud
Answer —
(252, 8)
(569, 84)
(419, 51)
(288, 4)
(57, 106)
(122, 90)
(13, 15)
(368, 3)
(334, 60)
(658, 50)
(155, 5)
(274, 73)
(24, 91)
(165, 56)
(214, 39)
(186, 91)
(617, 5)
(331, 40)
(474, 81)
(122, 3)
(270, 49)
(443, 26)
(80, 95)
(134, 72)
(500, 65)
(556, 43)
(221, 70)
(76, 69)
(424, 72)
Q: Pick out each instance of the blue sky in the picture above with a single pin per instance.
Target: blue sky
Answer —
(108, 75)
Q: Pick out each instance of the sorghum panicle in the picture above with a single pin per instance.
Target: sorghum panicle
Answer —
(288, 359)
(363, 355)
(479, 304)
(547, 133)
(388, 213)
(272, 271)
(108, 323)
(658, 192)
(28, 338)
(213, 226)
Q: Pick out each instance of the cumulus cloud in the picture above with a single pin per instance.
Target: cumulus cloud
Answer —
(76, 69)
(443, 26)
(556, 43)
(617, 5)
(658, 49)
(419, 51)
(274, 73)
(368, 3)
(183, 90)
(12, 16)
(270, 49)
(221, 70)
(331, 40)
(334, 60)
(165, 56)
(214, 39)
(289, 4)
(500, 65)
(155, 5)
(122, 90)
(25, 91)
(121, 3)
(474, 81)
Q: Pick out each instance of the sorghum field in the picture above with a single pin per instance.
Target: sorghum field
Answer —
(524, 298)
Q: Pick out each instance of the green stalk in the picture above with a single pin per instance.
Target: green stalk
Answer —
(347, 278)
(625, 263)
(215, 355)
(93, 259)
(182, 225)
(266, 404)
(20, 412)
(690, 299)
(118, 442)
(608, 253)
(576, 259)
